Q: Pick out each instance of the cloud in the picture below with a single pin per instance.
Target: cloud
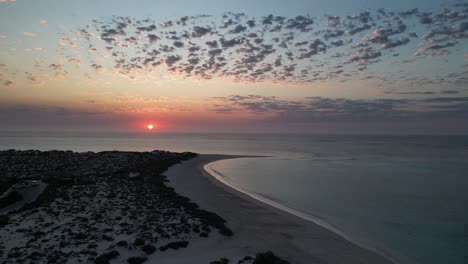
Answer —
(7, 1)
(301, 23)
(199, 31)
(147, 28)
(395, 43)
(167, 23)
(364, 55)
(424, 92)
(170, 60)
(59, 70)
(75, 61)
(238, 29)
(411, 93)
(426, 19)
(43, 21)
(153, 38)
(29, 34)
(230, 42)
(179, 44)
(97, 68)
(64, 41)
(313, 109)
(450, 92)
(273, 48)
(355, 30)
(8, 83)
(433, 49)
(56, 66)
(251, 23)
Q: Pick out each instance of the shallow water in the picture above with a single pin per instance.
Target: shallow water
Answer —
(402, 194)
(408, 200)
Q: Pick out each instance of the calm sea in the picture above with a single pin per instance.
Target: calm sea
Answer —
(404, 195)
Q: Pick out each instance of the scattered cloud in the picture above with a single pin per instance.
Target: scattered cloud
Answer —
(300, 49)
(8, 83)
(58, 69)
(97, 68)
(310, 109)
(30, 34)
(43, 21)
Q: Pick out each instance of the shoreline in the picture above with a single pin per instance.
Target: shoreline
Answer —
(259, 225)
(295, 212)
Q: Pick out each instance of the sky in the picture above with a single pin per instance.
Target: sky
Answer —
(234, 66)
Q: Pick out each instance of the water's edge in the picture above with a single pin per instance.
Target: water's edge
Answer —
(303, 215)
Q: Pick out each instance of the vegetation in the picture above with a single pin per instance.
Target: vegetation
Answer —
(10, 199)
(75, 177)
(149, 249)
(106, 257)
(4, 220)
(220, 261)
(268, 258)
(174, 245)
(5, 184)
(136, 260)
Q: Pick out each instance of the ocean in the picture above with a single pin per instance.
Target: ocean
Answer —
(404, 196)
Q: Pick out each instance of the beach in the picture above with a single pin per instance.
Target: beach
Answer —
(259, 227)
(175, 208)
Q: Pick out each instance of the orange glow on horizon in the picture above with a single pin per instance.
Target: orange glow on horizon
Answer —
(148, 125)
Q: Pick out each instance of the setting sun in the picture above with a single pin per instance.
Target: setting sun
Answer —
(237, 131)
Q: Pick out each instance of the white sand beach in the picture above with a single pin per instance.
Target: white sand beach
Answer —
(259, 227)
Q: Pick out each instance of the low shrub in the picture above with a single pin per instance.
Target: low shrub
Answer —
(106, 257)
(136, 260)
(268, 258)
(10, 199)
(122, 243)
(4, 220)
(149, 249)
(174, 245)
(220, 261)
(139, 242)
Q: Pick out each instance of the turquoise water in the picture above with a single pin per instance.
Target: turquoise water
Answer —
(404, 195)
(407, 200)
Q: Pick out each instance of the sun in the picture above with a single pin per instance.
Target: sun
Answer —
(150, 126)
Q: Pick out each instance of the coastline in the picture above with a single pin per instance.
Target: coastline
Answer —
(259, 226)
(379, 250)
